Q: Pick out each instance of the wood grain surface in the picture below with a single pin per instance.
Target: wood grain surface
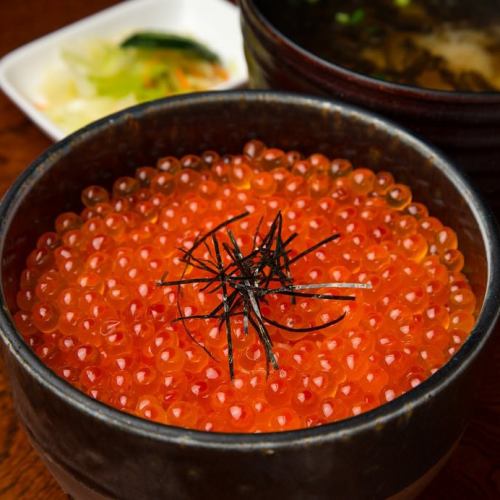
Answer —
(473, 471)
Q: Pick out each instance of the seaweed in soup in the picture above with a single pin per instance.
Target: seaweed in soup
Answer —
(439, 44)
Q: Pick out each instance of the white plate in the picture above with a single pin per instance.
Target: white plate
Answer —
(213, 22)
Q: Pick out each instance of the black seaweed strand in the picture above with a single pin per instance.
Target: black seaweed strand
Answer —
(247, 280)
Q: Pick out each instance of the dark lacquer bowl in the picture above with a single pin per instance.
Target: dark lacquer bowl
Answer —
(95, 451)
(465, 125)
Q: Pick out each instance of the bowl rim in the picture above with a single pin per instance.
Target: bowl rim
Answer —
(249, 8)
(395, 409)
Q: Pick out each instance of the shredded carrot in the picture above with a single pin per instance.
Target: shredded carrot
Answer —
(181, 79)
(221, 72)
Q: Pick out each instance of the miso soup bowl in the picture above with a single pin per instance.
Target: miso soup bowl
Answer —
(97, 452)
(465, 125)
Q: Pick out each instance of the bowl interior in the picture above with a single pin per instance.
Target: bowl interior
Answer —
(115, 146)
(102, 153)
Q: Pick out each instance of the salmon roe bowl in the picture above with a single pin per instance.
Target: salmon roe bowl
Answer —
(139, 300)
(245, 294)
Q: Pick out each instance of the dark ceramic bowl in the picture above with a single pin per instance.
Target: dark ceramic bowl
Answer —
(95, 451)
(465, 125)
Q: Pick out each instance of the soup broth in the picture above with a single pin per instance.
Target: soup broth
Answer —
(451, 45)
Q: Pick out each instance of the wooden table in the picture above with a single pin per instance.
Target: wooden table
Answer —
(472, 472)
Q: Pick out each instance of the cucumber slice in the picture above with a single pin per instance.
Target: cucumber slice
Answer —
(154, 40)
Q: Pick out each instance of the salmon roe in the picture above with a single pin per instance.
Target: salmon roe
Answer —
(90, 306)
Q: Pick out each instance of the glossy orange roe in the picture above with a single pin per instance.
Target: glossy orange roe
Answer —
(89, 305)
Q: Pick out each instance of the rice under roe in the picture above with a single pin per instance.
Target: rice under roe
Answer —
(91, 308)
